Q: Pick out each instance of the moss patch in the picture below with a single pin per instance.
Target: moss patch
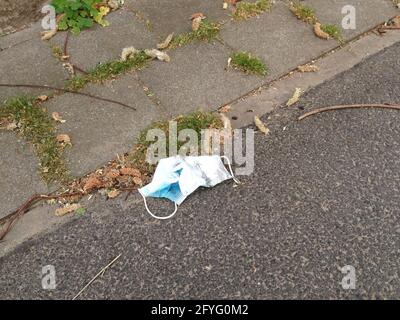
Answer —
(245, 62)
(208, 31)
(35, 125)
(246, 10)
(196, 121)
(303, 12)
(108, 70)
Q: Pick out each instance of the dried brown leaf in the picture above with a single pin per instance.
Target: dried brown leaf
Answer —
(319, 32)
(130, 172)
(396, 21)
(92, 183)
(197, 15)
(112, 174)
(12, 126)
(160, 55)
(67, 209)
(138, 181)
(42, 98)
(308, 68)
(128, 52)
(47, 35)
(294, 98)
(64, 139)
(166, 42)
(196, 23)
(56, 117)
(113, 193)
(225, 108)
(226, 121)
(260, 125)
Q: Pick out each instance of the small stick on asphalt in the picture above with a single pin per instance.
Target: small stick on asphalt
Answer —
(351, 106)
(100, 273)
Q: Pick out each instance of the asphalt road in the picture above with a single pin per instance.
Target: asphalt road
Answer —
(324, 194)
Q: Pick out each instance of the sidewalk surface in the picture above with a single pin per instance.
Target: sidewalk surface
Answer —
(324, 194)
(196, 78)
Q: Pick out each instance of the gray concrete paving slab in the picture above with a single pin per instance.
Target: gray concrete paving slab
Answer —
(30, 62)
(196, 78)
(369, 13)
(278, 38)
(101, 130)
(13, 39)
(18, 171)
(167, 16)
(100, 44)
(279, 92)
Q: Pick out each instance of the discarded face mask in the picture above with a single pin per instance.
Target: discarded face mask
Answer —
(177, 177)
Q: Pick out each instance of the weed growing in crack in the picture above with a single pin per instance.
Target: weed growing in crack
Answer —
(245, 62)
(108, 70)
(36, 126)
(246, 10)
(333, 31)
(208, 31)
(196, 121)
(303, 12)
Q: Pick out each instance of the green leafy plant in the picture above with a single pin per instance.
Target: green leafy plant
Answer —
(79, 14)
(247, 63)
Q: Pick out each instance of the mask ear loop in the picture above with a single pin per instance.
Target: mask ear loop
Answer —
(230, 169)
(156, 217)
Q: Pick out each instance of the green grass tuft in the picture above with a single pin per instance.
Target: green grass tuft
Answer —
(246, 10)
(333, 31)
(248, 64)
(196, 121)
(36, 126)
(303, 12)
(108, 70)
(208, 31)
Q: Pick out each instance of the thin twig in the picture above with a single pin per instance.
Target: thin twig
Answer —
(13, 217)
(66, 54)
(100, 273)
(79, 69)
(351, 106)
(34, 86)
(66, 44)
(390, 28)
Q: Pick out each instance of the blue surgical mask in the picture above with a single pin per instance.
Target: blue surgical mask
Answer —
(177, 177)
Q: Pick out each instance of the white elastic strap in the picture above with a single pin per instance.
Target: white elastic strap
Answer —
(230, 169)
(153, 215)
